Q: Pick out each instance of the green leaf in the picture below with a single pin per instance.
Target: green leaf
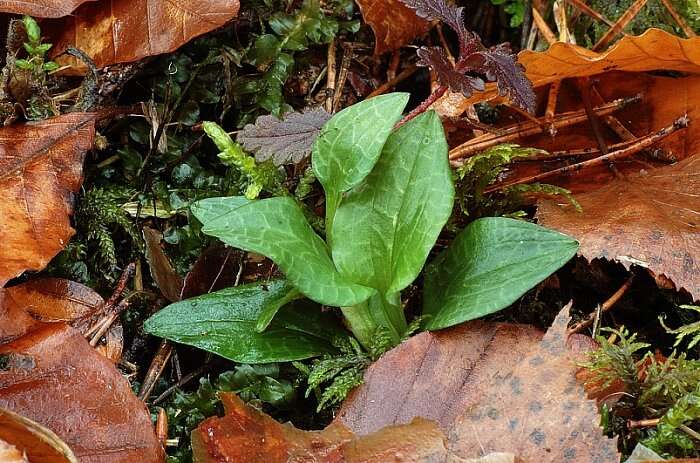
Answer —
(23, 64)
(224, 322)
(489, 265)
(349, 145)
(32, 28)
(273, 306)
(277, 228)
(385, 228)
(209, 209)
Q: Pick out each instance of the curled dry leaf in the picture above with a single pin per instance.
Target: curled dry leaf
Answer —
(393, 23)
(121, 31)
(247, 435)
(287, 140)
(40, 169)
(164, 274)
(41, 8)
(55, 378)
(28, 306)
(28, 441)
(490, 403)
(649, 219)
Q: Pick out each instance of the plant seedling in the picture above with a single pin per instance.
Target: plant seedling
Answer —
(389, 192)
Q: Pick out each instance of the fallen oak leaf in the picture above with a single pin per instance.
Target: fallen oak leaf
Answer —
(649, 219)
(122, 31)
(55, 378)
(41, 8)
(285, 141)
(40, 170)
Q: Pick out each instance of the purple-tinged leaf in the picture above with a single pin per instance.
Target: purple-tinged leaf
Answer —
(438, 10)
(500, 65)
(447, 76)
(285, 141)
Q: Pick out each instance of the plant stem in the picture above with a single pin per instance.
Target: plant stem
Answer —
(332, 203)
(423, 107)
(378, 311)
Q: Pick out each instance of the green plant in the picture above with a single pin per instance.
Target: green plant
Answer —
(31, 72)
(514, 8)
(388, 195)
(691, 330)
(672, 435)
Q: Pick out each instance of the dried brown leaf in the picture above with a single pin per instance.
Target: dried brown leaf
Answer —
(30, 441)
(284, 141)
(40, 169)
(164, 274)
(649, 219)
(393, 23)
(55, 378)
(216, 268)
(121, 31)
(41, 8)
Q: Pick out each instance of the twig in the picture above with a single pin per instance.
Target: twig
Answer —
(107, 322)
(582, 7)
(584, 86)
(568, 154)
(648, 423)
(642, 143)
(348, 54)
(679, 19)
(400, 77)
(155, 369)
(607, 305)
(619, 25)
(330, 76)
(184, 380)
(121, 285)
(542, 26)
(423, 106)
(527, 128)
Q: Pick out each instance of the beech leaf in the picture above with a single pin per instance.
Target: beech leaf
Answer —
(394, 24)
(55, 378)
(41, 167)
(121, 31)
(284, 141)
(31, 441)
(41, 8)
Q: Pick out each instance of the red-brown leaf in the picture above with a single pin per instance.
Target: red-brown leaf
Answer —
(55, 378)
(393, 23)
(40, 169)
(120, 31)
(41, 8)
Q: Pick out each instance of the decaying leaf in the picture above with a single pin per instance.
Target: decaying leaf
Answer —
(247, 435)
(55, 378)
(490, 403)
(442, 373)
(215, 269)
(120, 31)
(30, 441)
(394, 24)
(28, 306)
(40, 169)
(649, 219)
(164, 274)
(41, 8)
(286, 140)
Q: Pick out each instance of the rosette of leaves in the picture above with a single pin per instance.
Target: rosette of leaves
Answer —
(476, 64)
(388, 195)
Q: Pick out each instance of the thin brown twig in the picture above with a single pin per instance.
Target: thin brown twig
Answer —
(648, 423)
(155, 369)
(527, 128)
(400, 77)
(679, 19)
(348, 54)
(574, 153)
(584, 8)
(107, 322)
(619, 25)
(121, 285)
(642, 143)
(330, 76)
(584, 87)
(606, 306)
(543, 27)
(184, 380)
